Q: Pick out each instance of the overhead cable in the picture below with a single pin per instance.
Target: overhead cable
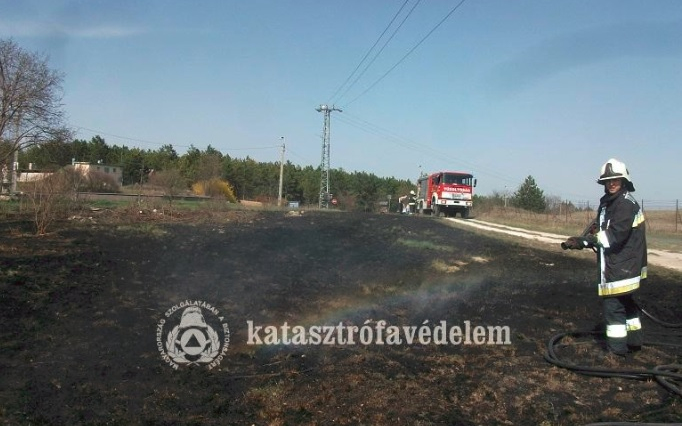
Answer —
(368, 127)
(380, 50)
(98, 132)
(368, 52)
(408, 53)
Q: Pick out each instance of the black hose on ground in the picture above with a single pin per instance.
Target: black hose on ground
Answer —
(631, 424)
(668, 376)
(658, 321)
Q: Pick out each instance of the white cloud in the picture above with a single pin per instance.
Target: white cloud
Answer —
(50, 29)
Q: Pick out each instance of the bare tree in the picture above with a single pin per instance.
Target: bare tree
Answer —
(172, 183)
(51, 198)
(30, 101)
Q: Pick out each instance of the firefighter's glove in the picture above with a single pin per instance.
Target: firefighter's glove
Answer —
(579, 243)
(588, 241)
(591, 240)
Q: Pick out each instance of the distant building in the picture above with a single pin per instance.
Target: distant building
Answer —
(115, 172)
(31, 174)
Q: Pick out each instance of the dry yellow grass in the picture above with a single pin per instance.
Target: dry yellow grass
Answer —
(663, 232)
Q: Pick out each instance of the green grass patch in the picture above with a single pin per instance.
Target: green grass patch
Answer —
(106, 204)
(423, 245)
(188, 204)
(9, 207)
(150, 229)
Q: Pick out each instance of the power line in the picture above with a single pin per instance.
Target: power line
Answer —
(254, 147)
(381, 50)
(368, 52)
(368, 127)
(408, 53)
(300, 157)
(373, 129)
(389, 136)
(99, 132)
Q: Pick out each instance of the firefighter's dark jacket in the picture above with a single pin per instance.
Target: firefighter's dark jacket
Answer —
(621, 243)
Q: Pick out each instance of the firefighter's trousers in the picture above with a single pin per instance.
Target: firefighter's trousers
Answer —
(623, 325)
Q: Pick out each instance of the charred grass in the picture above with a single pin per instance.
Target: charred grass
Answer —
(83, 303)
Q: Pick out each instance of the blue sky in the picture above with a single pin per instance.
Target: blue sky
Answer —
(503, 89)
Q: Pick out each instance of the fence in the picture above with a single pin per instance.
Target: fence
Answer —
(664, 215)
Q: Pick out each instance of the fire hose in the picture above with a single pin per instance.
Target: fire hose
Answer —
(668, 376)
(590, 229)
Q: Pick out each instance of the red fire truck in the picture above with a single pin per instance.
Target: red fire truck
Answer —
(445, 193)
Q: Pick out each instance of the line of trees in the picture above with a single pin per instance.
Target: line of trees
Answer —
(253, 180)
(32, 123)
(249, 178)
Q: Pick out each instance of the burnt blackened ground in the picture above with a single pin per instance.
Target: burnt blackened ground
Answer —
(80, 307)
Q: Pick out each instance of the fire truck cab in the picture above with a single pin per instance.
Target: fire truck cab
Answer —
(445, 193)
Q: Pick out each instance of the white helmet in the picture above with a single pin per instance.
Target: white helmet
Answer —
(412, 192)
(614, 169)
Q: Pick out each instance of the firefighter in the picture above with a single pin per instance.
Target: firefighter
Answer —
(402, 203)
(411, 202)
(407, 203)
(620, 242)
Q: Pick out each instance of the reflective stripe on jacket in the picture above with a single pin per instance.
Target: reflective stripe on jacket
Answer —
(622, 244)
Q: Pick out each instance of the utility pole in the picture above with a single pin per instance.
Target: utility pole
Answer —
(281, 173)
(15, 167)
(324, 166)
(15, 159)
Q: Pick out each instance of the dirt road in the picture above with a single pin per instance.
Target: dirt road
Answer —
(666, 259)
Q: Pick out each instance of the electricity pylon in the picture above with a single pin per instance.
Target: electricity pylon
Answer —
(325, 194)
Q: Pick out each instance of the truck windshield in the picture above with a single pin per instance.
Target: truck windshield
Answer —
(457, 179)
